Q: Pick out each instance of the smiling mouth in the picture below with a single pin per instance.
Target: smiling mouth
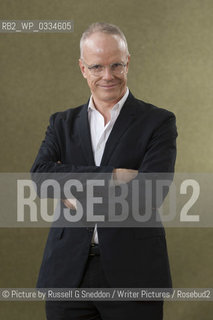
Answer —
(109, 86)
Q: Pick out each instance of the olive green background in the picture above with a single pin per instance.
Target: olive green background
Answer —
(171, 46)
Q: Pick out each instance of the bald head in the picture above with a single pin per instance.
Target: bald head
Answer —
(103, 29)
(99, 44)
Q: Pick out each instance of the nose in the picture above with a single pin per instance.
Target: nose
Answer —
(107, 73)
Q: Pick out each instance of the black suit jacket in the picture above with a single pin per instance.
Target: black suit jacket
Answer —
(143, 138)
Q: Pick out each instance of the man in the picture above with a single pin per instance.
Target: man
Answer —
(117, 134)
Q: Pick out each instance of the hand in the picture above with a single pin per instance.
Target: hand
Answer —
(121, 176)
(70, 203)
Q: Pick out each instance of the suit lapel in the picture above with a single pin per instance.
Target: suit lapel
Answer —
(124, 120)
(85, 137)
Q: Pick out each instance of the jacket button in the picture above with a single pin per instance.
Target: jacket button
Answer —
(90, 229)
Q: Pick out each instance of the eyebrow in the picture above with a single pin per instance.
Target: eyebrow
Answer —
(98, 64)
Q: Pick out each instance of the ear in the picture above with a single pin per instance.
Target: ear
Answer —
(83, 68)
(127, 64)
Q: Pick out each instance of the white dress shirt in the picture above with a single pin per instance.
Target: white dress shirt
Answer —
(100, 133)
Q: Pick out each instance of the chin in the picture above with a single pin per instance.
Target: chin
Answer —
(110, 96)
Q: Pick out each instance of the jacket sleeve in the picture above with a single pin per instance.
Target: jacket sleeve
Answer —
(47, 165)
(160, 154)
(156, 170)
(155, 173)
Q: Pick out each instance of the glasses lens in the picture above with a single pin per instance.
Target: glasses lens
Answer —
(97, 70)
(117, 68)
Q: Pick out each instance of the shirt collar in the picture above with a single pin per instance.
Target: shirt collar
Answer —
(117, 106)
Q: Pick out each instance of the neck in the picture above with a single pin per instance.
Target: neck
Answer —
(104, 107)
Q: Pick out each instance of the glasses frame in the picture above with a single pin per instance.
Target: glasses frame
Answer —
(92, 71)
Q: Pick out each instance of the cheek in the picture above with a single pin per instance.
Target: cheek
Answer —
(122, 81)
(125, 77)
(94, 83)
(122, 78)
(90, 82)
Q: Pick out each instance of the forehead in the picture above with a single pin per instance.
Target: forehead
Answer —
(103, 47)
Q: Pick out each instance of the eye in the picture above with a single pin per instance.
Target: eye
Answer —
(96, 68)
(116, 66)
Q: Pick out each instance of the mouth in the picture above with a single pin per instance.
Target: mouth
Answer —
(108, 86)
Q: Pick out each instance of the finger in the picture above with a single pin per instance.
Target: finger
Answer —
(68, 204)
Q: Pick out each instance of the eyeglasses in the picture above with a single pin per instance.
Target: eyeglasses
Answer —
(98, 70)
